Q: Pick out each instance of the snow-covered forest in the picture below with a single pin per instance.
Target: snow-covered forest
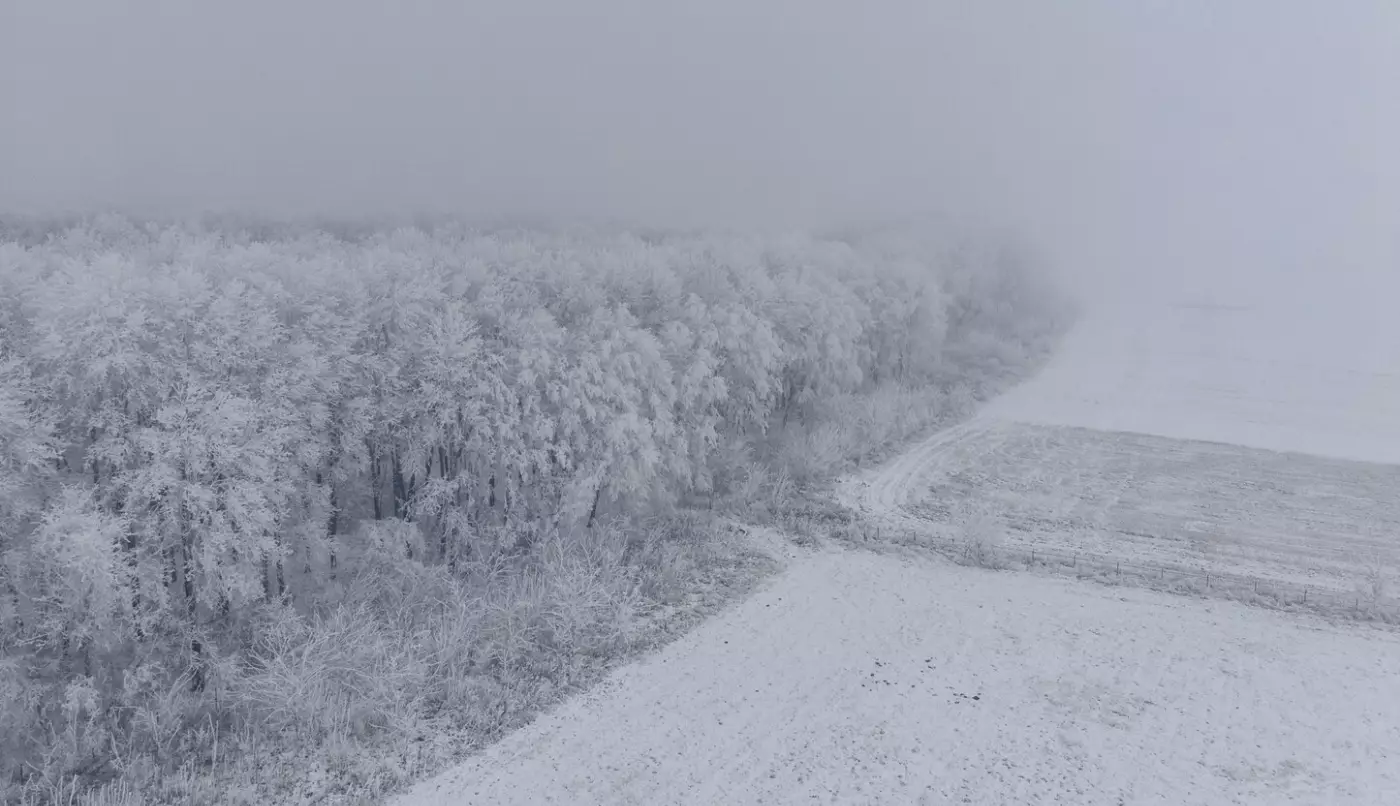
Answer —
(266, 485)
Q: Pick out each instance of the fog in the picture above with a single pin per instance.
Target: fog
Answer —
(1232, 144)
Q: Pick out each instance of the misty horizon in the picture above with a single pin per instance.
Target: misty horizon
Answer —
(1139, 142)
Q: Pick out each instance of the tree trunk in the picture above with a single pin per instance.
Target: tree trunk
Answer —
(375, 481)
(332, 525)
(400, 492)
(593, 512)
(192, 612)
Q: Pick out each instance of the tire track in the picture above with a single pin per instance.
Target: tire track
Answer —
(883, 493)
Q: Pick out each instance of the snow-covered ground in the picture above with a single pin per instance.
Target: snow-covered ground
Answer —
(859, 678)
(1106, 451)
(862, 678)
(1322, 379)
(1328, 524)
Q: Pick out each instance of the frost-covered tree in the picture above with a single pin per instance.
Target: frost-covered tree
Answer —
(209, 430)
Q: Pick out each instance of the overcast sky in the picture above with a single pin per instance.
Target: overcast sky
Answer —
(1133, 138)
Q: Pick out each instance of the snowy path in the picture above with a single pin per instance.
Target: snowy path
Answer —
(858, 678)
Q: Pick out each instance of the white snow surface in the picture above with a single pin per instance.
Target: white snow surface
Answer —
(860, 678)
(1321, 379)
(1330, 525)
(857, 678)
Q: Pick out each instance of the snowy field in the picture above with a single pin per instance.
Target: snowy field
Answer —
(1202, 435)
(1218, 438)
(1307, 521)
(1320, 378)
(858, 678)
(1302, 401)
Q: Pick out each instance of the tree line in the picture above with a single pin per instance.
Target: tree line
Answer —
(199, 424)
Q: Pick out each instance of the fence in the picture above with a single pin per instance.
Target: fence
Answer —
(1370, 605)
